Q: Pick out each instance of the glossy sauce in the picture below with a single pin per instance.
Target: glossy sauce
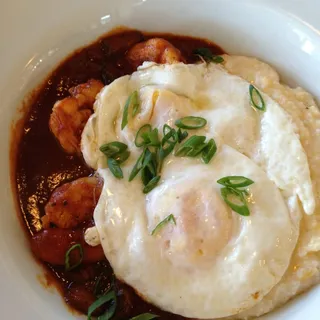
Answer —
(42, 165)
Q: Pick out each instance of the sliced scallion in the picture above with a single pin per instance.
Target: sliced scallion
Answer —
(256, 98)
(114, 167)
(97, 285)
(145, 316)
(191, 123)
(192, 147)
(110, 296)
(235, 181)
(169, 218)
(138, 166)
(133, 100)
(236, 200)
(207, 55)
(146, 175)
(209, 151)
(169, 140)
(68, 265)
(154, 138)
(181, 135)
(112, 148)
(135, 103)
(142, 135)
(151, 184)
(122, 157)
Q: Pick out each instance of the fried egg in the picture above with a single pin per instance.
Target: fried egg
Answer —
(211, 262)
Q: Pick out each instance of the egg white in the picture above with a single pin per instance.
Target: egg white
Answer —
(227, 263)
(247, 254)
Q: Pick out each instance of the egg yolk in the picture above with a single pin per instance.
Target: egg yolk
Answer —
(203, 228)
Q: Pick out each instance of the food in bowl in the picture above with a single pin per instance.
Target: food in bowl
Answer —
(159, 176)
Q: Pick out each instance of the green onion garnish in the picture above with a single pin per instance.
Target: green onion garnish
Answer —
(235, 181)
(146, 175)
(207, 55)
(138, 166)
(209, 151)
(147, 137)
(192, 147)
(112, 148)
(122, 157)
(182, 135)
(169, 218)
(170, 135)
(142, 135)
(151, 184)
(153, 138)
(133, 100)
(110, 296)
(149, 161)
(236, 200)
(97, 285)
(68, 266)
(191, 123)
(256, 99)
(145, 316)
(135, 104)
(169, 140)
(114, 167)
(125, 113)
(149, 166)
(116, 153)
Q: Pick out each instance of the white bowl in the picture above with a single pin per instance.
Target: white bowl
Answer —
(35, 35)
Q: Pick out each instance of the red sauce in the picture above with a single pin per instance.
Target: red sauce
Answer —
(42, 165)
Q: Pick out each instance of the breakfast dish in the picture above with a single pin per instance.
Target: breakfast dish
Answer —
(161, 177)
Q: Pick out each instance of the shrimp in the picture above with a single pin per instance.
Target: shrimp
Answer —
(155, 49)
(51, 245)
(70, 115)
(72, 203)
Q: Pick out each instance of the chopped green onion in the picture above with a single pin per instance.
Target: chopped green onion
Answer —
(97, 285)
(154, 138)
(145, 316)
(235, 181)
(112, 148)
(169, 218)
(169, 135)
(237, 196)
(142, 135)
(151, 184)
(122, 157)
(169, 140)
(149, 161)
(191, 122)
(110, 296)
(125, 113)
(192, 147)
(182, 135)
(256, 98)
(133, 99)
(109, 312)
(135, 104)
(208, 56)
(209, 151)
(68, 266)
(146, 176)
(196, 150)
(138, 166)
(114, 167)
(147, 137)
(165, 151)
